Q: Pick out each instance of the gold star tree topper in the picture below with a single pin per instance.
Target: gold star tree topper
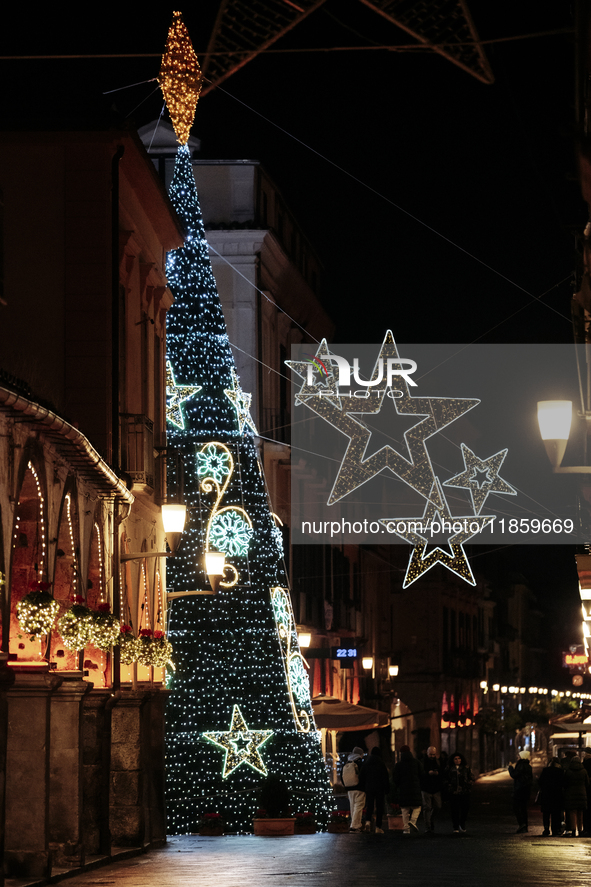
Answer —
(180, 78)
(240, 744)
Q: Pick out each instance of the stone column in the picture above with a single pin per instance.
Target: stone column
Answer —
(96, 765)
(27, 774)
(65, 771)
(6, 682)
(137, 769)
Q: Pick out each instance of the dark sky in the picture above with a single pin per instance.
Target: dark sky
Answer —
(489, 168)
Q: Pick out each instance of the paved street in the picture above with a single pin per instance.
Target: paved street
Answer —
(491, 855)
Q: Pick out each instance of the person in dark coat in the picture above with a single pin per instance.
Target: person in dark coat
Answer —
(458, 783)
(551, 782)
(523, 778)
(576, 783)
(406, 778)
(431, 787)
(375, 779)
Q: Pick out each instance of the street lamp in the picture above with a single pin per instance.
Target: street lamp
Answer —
(215, 564)
(393, 671)
(554, 420)
(173, 521)
(367, 663)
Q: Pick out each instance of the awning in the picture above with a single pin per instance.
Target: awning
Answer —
(337, 714)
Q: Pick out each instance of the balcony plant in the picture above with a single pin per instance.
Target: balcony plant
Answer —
(105, 628)
(129, 645)
(76, 625)
(155, 648)
(37, 611)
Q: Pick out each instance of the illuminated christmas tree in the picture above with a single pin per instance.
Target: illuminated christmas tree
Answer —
(240, 704)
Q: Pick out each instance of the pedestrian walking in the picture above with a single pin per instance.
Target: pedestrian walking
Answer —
(522, 775)
(406, 779)
(458, 782)
(576, 783)
(350, 777)
(551, 783)
(431, 787)
(376, 782)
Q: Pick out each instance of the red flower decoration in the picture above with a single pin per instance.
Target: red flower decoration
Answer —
(21, 646)
(104, 608)
(78, 599)
(146, 633)
(126, 629)
(158, 635)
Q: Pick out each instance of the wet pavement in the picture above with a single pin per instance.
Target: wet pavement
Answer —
(489, 855)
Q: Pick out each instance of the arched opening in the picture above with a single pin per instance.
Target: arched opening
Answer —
(28, 560)
(67, 588)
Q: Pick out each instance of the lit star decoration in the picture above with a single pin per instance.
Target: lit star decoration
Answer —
(481, 477)
(240, 744)
(180, 78)
(356, 467)
(297, 678)
(323, 383)
(417, 531)
(241, 403)
(175, 396)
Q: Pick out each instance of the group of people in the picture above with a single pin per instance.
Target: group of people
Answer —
(417, 785)
(564, 794)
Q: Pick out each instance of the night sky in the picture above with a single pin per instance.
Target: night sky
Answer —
(490, 171)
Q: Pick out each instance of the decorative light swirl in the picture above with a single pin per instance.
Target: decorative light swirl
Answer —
(297, 679)
(229, 528)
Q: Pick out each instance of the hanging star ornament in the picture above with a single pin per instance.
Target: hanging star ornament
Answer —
(434, 414)
(481, 477)
(241, 402)
(437, 518)
(240, 744)
(180, 78)
(175, 396)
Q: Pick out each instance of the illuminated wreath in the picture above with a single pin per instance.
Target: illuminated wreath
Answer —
(36, 613)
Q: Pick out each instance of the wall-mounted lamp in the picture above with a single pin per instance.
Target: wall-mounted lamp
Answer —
(173, 521)
(497, 687)
(215, 563)
(367, 663)
(554, 419)
(393, 671)
(304, 639)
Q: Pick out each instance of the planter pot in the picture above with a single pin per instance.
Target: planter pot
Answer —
(338, 828)
(213, 832)
(395, 822)
(307, 829)
(268, 827)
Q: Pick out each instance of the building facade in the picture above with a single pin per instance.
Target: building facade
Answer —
(85, 230)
